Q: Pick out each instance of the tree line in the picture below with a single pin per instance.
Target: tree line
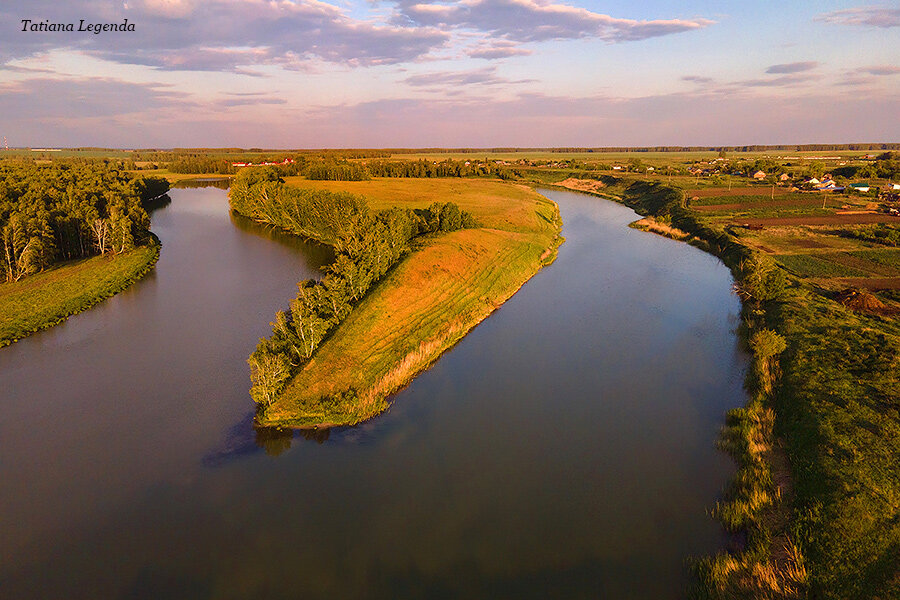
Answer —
(367, 244)
(58, 212)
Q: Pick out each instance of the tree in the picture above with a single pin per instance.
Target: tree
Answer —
(760, 280)
(268, 371)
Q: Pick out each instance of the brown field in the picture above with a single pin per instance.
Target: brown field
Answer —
(753, 190)
(837, 219)
(812, 201)
(869, 283)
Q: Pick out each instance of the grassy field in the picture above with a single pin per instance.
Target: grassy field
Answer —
(427, 303)
(46, 299)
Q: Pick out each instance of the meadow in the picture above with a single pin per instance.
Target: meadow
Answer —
(427, 302)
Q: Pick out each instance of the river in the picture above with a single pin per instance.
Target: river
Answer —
(564, 448)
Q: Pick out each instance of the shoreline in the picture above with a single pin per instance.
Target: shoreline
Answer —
(73, 302)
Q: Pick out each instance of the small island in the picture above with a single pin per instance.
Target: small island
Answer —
(453, 274)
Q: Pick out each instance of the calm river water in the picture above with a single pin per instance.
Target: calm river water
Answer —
(564, 449)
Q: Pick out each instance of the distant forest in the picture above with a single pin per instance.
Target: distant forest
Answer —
(59, 212)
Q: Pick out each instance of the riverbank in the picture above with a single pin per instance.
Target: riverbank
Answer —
(46, 299)
(814, 499)
(427, 303)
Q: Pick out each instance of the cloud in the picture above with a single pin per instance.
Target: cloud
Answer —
(498, 49)
(250, 101)
(796, 67)
(66, 99)
(871, 16)
(543, 120)
(881, 70)
(791, 78)
(102, 116)
(485, 76)
(217, 35)
(535, 20)
(783, 81)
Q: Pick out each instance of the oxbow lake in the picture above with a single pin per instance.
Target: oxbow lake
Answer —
(563, 449)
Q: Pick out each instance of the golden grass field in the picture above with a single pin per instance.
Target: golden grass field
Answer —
(428, 302)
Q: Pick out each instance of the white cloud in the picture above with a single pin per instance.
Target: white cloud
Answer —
(871, 16)
(534, 20)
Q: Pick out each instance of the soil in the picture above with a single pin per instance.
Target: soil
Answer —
(841, 219)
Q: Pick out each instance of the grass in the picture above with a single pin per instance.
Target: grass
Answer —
(838, 410)
(427, 303)
(806, 265)
(889, 258)
(46, 299)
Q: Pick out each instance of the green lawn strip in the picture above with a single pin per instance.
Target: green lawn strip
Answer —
(807, 265)
(46, 299)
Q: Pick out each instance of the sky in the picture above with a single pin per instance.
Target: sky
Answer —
(426, 73)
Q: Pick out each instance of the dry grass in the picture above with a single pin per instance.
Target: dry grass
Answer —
(427, 303)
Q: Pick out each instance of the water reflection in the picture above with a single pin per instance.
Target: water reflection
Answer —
(317, 252)
(223, 183)
(156, 203)
(246, 438)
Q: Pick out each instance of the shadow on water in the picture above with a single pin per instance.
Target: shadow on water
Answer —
(156, 203)
(317, 252)
(245, 438)
(223, 183)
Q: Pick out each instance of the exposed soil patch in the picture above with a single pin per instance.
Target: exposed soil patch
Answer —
(582, 185)
(862, 300)
(737, 191)
(871, 283)
(844, 219)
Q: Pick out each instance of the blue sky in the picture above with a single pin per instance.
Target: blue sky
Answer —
(415, 73)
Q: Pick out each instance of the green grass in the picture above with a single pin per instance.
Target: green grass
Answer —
(799, 200)
(46, 299)
(839, 409)
(885, 257)
(427, 303)
(806, 265)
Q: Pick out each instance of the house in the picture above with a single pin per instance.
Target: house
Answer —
(860, 187)
(812, 181)
(784, 177)
(759, 175)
